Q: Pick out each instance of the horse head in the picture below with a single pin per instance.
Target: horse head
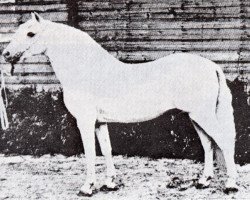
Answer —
(27, 40)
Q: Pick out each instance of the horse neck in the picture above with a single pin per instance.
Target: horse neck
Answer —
(72, 46)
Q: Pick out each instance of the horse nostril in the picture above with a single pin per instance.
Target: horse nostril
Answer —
(6, 54)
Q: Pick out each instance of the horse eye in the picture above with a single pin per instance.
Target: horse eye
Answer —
(30, 34)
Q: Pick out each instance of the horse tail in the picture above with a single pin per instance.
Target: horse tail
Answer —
(224, 113)
(224, 108)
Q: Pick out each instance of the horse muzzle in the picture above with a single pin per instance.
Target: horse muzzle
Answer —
(12, 59)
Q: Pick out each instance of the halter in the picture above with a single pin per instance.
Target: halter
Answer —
(28, 48)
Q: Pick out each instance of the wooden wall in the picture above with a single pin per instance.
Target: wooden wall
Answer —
(139, 31)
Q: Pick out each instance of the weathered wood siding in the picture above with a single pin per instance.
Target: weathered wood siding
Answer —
(140, 30)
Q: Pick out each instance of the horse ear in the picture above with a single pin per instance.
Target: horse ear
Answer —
(35, 16)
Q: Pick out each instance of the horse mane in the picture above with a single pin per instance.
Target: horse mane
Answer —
(83, 37)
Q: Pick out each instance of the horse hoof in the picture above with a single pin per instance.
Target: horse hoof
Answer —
(203, 183)
(105, 188)
(87, 194)
(201, 186)
(83, 194)
(171, 185)
(230, 190)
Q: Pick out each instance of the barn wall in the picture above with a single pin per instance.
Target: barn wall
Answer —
(140, 30)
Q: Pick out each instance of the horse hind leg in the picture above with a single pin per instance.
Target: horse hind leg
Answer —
(227, 143)
(227, 146)
(225, 139)
(102, 134)
(206, 142)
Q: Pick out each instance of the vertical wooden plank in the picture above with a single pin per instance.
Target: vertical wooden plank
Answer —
(72, 13)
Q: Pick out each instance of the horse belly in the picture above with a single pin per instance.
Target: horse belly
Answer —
(133, 108)
(129, 113)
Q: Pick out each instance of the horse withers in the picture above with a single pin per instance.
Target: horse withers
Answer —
(98, 87)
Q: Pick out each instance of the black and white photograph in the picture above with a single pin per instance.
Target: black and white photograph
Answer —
(124, 99)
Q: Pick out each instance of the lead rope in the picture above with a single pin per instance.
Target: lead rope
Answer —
(3, 104)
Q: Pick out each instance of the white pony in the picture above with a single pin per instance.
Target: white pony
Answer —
(99, 88)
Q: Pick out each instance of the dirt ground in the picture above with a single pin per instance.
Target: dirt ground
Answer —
(59, 177)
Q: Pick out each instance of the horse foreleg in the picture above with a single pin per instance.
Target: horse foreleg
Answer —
(102, 134)
(87, 128)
